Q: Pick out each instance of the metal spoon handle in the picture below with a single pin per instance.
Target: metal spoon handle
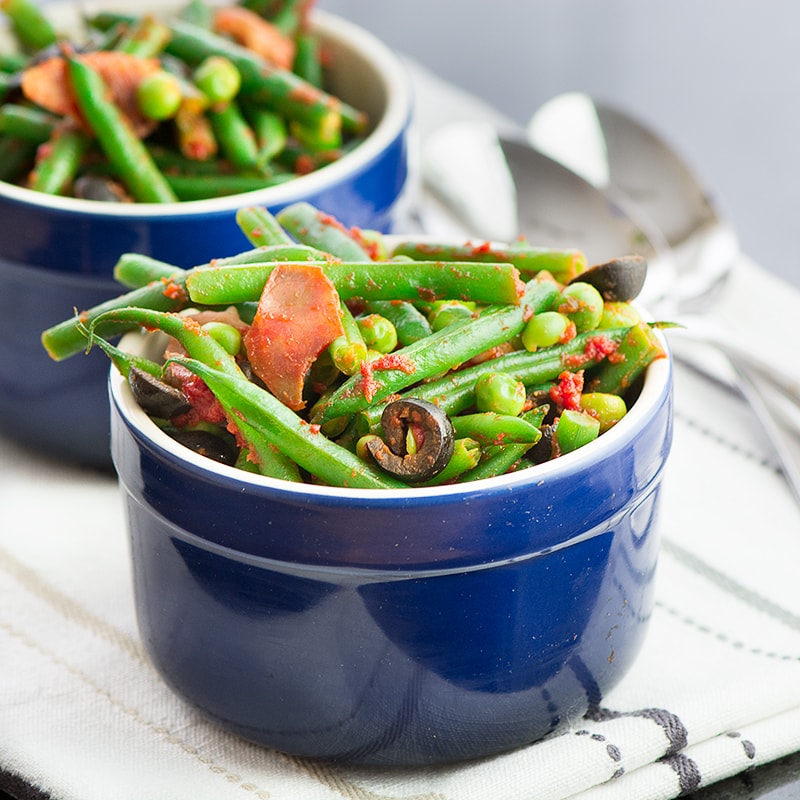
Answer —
(785, 446)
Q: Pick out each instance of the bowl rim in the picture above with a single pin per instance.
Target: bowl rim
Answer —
(655, 390)
(396, 117)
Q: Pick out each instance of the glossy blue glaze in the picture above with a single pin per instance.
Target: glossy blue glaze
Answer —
(56, 408)
(86, 237)
(389, 628)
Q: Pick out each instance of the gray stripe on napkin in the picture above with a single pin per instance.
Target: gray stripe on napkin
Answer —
(688, 772)
(670, 723)
(729, 585)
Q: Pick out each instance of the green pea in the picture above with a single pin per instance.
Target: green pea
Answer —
(608, 409)
(575, 429)
(159, 95)
(218, 79)
(378, 332)
(546, 329)
(225, 335)
(583, 304)
(501, 393)
(447, 313)
(619, 315)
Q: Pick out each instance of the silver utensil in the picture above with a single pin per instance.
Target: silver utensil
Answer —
(620, 154)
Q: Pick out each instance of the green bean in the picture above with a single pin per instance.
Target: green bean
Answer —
(122, 147)
(197, 341)
(145, 38)
(196, 140)
(466, 456)
(260, 226)
(575, 429)
(290, 17)
(386, 280)
(26, 122)
(58, 162)
(498, 460)
(636, 351)
(307, 63)
(198, 13)
(270, 132)
(563, 265)
(234, 135)
(308, 448)
(489, 428)
(31, 26)
(123, 361)
(316, 228)
(65, 339)
(269, 253)
(410, 324)
(439, 352)
(268, 460)
(202, 187)
(134, 270)
(13, 62)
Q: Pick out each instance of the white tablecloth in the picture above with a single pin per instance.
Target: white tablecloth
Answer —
(716, 690)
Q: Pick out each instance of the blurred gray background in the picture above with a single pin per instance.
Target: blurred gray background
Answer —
(718, 79)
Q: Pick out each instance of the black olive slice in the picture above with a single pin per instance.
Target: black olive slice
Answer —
(156, 397)
(618, 280)
(432, 431)
(207, 444)
(98, 187)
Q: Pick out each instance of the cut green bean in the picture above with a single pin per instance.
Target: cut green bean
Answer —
(203, 187)
(308, 448)
(636, 351)
(261, 227)
(66, 339)
(410, 324)
(31, 26)
(145, 38)
(388, 280)
(58, 162)
(488, 428)
(563, 265)
(314, 227)
(28, 123)
(234, 135)
(122, 147)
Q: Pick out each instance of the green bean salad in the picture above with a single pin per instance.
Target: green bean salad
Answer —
(323, 355)
(212, 101)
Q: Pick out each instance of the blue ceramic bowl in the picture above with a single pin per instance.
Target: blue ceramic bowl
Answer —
(395, 627)
(58, 253)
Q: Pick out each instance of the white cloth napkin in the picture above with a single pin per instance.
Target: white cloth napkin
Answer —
(716, 690)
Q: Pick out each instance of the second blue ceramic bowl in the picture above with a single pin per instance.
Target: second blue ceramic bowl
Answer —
(58, 253)
(395, 627)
